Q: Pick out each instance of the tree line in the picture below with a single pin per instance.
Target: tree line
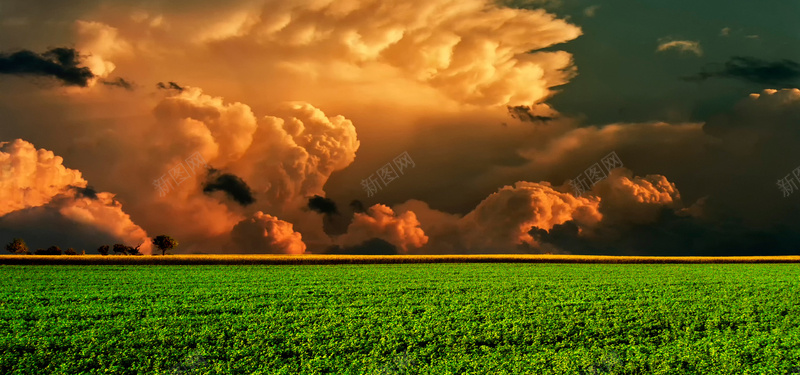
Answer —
(162, 242)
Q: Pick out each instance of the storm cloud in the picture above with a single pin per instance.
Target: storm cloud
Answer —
(323, 205)
(233, 186)
(59, 63)
(751, 69)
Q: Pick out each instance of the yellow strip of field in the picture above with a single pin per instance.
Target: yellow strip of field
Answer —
(233, 259)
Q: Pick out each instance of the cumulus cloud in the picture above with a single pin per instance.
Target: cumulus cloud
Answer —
(32, 177)
(754, 70)
(474, 51)
(680, 46)
(272, 164)
(520, 218)
(101, 43)
(439, 71)
(38, 192)
(625, 198)
(411, 59)
(264, 233)
(221, 132)
(503, 219)
(296, 150)
(60, 63)
(380, 221)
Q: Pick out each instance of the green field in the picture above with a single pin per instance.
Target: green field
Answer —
(401, 318)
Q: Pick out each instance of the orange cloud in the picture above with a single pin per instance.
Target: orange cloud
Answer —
(35, 184)
(263, 233)
(401, 230)
(32, 177)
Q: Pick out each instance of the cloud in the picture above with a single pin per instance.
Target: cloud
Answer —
(754, 70)
(169, 86)
(523, 113)
(673, 234)
(233, 186)
(422, 76)
(625, 198)
(516, 218)
(32, 177)
(86, 192)
(322, 205)
(501, 222)
(60, 63)
(380, 221)
(101, 43)
(264, 233)
(681, 46)
(119, 82)
(591, 11)
(39, 193)
(295, 151)
(357, 206)
(473, 51)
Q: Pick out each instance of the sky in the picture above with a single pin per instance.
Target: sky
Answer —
(402, 127)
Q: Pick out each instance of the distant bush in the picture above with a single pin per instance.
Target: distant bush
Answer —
(17, 246)
(52, 250)
(119, 248)
(133, 250)
(70, 251)
(103, 250)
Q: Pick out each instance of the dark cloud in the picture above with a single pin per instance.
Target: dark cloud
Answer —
(60, 63)
(231, 184)
(119, 82)
(751, 69)
(323, 205)
(357, 206)
(672, 235)
(523, 113)
(87, 192)
(375, 246)
(169, 86)
(43, 226)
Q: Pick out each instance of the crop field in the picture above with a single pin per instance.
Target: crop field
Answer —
(480, 318)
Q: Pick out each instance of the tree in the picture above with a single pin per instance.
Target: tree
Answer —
(52, 250)
(164, 243)
(17, 246)
(70, 251)
(134, 250)
(103, 250)
(119, 248)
